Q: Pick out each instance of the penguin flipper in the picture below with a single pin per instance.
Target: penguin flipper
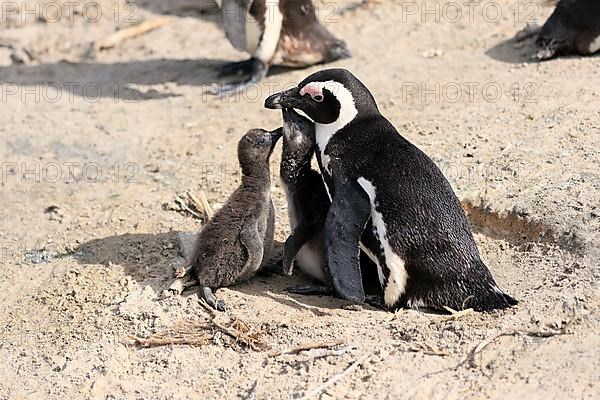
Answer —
(251, 240)
(301, 234)
(310, 290)
(346, 219)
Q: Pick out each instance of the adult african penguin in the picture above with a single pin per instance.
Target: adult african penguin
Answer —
(422, 243)
(280, 32)
(238, 240)
(573, 28)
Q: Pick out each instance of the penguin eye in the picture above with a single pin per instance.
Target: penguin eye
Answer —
(318, 98)
(261, 141)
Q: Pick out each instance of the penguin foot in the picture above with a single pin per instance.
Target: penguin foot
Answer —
(376, 301)
(544, 54)
(308, 290)
(236, 68)
(548, 48)
(258, 70)
(212, 300)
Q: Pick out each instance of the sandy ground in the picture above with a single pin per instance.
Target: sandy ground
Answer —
(96, 147)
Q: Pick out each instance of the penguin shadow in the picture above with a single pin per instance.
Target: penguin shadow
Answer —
(147, 258)
(119, 81)
(513, 51)
(273, 286)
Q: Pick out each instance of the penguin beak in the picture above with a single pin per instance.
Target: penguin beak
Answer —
(292, 120)
(275, 135)
(287, 99)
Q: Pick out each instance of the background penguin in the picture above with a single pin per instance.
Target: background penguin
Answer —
(238, 240)
(281, 32)
(573, 27)
(424, 248)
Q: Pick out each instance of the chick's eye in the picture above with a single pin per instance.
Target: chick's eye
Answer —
(261, 140)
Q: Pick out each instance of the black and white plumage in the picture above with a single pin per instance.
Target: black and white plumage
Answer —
(573, 28)
(420, 238)
(238, 240)
(280, 32)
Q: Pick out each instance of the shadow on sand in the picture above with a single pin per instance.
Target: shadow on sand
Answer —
(148, 259)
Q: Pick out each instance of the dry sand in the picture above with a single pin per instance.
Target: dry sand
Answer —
(90, 179)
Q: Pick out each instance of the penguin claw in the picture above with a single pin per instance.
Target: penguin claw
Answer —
(544, 54)
(236, 68)
(310, 290)
(212, 300)
(257, 70)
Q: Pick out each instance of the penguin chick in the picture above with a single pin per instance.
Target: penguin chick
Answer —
(573, 28)
(280, 32)
(421, 241)
(307, 199)
(238, 240)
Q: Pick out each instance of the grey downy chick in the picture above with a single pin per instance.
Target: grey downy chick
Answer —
(238, 240)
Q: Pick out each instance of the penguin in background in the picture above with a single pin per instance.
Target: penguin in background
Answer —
(238, 240)
(424, 250)
(573, 28)
(281, 32)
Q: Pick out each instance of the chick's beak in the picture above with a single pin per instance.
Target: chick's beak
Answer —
(275, 135)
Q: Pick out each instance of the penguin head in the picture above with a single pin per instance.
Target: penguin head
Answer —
(298, 132)
(255, 148)
(328, 96)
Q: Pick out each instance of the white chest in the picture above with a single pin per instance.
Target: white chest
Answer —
(595, 45)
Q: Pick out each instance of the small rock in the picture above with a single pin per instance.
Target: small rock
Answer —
(59, 363)
(432, 53)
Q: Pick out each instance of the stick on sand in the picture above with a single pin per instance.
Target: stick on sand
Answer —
(129, 33)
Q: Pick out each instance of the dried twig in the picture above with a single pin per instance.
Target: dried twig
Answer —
(307, 346)
(201, 203)
(331, 352)
(457, 314)
(336, 378)
(183, 205)
(182, 272)
(485, 343)
(184, 333)
(242, 333)
(470, 359)
(428, 349)
(129, 33)
(201, 333)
